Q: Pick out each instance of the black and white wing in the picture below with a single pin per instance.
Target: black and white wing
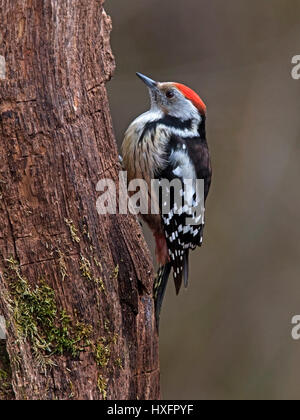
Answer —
(183, 220)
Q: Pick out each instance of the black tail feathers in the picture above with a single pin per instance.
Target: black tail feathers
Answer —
(159, 289)
(186, 269)
(161, 281)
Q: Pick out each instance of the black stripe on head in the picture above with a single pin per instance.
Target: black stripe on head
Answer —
(174, 122)
(167, 121)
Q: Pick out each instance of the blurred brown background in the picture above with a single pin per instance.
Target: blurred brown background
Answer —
(229, 335)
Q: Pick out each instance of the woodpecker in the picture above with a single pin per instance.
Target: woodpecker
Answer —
(169, 142)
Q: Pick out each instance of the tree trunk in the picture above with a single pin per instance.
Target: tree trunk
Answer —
(75, 287)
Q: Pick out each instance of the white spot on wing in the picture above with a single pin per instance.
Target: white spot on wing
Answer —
(178, 172)
(186, 229)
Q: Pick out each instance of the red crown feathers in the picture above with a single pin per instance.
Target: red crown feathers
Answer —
(193, 97)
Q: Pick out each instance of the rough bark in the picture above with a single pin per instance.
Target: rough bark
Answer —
(75, 287)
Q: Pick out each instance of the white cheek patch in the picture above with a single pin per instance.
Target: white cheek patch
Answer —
(183, 108)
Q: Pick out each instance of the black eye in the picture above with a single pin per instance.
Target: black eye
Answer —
(170, 94)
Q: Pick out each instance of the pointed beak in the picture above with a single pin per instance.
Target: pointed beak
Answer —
(148, 82)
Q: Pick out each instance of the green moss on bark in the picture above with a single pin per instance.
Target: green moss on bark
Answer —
(39, 319)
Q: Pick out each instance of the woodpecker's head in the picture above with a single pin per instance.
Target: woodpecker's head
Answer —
(174, 99)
